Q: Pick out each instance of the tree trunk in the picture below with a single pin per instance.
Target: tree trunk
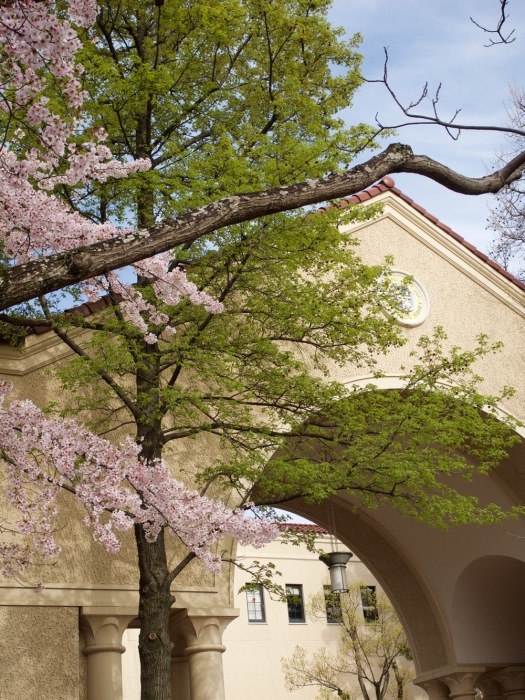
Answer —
(155, 601)
(155, 598)
(400, 681)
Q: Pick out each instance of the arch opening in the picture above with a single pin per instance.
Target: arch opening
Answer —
(488, 611)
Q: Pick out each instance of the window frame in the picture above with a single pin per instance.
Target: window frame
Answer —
(296, 613)
(251, 606)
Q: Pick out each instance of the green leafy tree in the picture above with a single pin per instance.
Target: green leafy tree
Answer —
(225, 97)
(370, 660)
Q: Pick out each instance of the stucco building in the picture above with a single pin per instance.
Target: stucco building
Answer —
(459, 593)
(268, 629)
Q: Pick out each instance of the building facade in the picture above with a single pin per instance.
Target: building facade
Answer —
(452, 590)
(268, 629)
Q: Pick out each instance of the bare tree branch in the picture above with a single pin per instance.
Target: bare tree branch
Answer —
(452, 127)
(23, 282)
(498, 31)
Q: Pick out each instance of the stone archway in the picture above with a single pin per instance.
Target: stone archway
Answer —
(467, 629)
(426, 571)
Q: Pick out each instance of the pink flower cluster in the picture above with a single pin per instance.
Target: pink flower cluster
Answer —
(116, 487)
(38, 47)
(171, 286)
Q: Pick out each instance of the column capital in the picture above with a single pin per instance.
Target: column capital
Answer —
(103, 629)
(490, 687)
(435, 689)
(200, 627)
(461, 683)
(458, 683)
(512, 681)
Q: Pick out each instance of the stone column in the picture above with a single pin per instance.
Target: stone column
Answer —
(453, 683)
(199, 632)
(435, 689)
(103, 635)
(462, 684)
(512, 681)
(490, 688)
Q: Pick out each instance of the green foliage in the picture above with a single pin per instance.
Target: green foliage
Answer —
(223, 96)
(410, 448)
(232, 96)
(368, 654)
(262, 574)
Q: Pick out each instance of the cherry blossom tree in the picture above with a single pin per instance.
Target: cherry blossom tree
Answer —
(48, 246)
(45, 146)
(226, 375)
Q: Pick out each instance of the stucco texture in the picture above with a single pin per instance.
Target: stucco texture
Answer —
(39, 649)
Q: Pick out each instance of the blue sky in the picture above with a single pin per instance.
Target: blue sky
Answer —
(437, 42)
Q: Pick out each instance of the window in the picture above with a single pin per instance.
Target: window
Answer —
(332, 602)
(369, 601)
(294, 595)
(255, 604)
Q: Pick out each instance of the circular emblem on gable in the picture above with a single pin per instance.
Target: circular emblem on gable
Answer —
(412, 299)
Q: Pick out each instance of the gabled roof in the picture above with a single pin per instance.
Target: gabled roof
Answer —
(387, 184)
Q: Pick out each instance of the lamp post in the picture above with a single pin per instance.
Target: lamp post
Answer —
(336, 563)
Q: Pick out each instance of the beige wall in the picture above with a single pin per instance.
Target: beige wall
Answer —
(423, 571)
(39, 653)
(252, 660)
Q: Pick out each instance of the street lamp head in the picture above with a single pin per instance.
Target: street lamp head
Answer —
(336, 563)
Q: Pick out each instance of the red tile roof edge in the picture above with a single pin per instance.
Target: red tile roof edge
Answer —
(387, 184)
(303, 527)
(86, 309)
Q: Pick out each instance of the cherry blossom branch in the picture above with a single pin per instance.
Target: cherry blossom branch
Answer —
(117, 488)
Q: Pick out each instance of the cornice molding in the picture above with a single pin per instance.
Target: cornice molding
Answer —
(448, 248)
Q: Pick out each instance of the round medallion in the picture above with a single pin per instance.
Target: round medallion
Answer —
(412, 298)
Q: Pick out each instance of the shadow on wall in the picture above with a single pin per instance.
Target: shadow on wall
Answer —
(488, 612)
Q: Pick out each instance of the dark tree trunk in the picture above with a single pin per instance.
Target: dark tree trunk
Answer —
(154, 614)
(155, 598)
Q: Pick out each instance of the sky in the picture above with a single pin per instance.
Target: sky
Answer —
(435, 41)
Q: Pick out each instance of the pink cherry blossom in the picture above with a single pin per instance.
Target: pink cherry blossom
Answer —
(36, 44)
(115, 485)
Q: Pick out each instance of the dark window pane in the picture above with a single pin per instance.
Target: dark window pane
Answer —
(294, 595)
(368, 598)
(332, 603)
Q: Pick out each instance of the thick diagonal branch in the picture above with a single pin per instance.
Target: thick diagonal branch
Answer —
(23, 282)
